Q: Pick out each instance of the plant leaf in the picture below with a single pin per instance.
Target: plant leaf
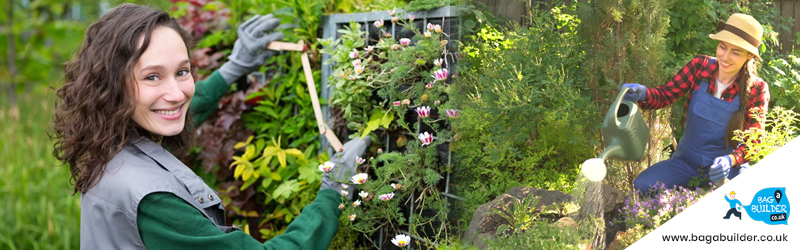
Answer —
(242, 144)
(501, 229)
(286, 189)
(282, 158)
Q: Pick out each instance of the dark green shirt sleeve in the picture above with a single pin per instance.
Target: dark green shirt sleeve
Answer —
(168, 222)
(206, 95)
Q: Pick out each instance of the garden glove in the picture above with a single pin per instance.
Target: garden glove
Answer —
(636, 93)
(250, 49)
(345, 166)
(720, 169)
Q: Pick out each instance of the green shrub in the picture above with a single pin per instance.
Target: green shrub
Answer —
(782, 76)
(527, 119)
(543, 235)
(777, 130)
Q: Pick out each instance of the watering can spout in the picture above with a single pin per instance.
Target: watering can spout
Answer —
(610, 150)
(624, 131)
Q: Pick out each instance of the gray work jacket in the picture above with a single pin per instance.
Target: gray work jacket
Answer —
(109, 209)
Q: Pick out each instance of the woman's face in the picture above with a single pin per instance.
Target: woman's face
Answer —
(163, 83)
(731, 57)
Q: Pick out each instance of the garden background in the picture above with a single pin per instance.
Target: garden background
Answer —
(520, 105)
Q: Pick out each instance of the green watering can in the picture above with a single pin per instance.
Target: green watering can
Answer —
(624, 131)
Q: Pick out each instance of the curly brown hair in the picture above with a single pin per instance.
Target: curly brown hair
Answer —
(94, 115)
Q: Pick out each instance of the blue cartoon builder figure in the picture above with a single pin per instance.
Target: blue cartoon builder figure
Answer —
(735, 205)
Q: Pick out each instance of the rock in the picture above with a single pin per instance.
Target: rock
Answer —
(568, 222)
(615, 244)
(546, 197)
(484, 224)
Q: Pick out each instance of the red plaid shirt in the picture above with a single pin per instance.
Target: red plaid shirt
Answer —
(688, 80)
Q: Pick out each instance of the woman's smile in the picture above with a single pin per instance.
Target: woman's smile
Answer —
(173, 113)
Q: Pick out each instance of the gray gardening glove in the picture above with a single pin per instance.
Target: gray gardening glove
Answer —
(345, 166)
(250, 50)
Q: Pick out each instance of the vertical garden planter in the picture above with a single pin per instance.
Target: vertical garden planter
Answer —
(447, 18)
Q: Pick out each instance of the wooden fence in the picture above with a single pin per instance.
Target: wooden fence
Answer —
(790, 9)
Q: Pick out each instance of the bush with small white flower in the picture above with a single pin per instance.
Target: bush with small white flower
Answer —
(378, 85)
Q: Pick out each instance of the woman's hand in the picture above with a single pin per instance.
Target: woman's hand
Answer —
(636, 93)
(345, 166)
(250, 50)
(720, 169)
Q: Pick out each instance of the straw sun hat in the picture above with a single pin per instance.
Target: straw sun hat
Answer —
(741, 30)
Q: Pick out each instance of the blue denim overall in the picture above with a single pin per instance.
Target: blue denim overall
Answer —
(703, 140)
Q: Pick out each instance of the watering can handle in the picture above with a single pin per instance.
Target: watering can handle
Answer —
(617, 102)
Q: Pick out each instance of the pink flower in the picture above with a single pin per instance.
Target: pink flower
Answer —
(387, 34)
(345, 193)
(436, 102)
(360, 160)
(411, 17)
(357, 62)
(359, 178)
(386, 197)
(437, 28)
(393, 11)
(358, 70)
(396, 103)
(369, 49)
(429, 85)
(423, 111)
(327, 166)
(438, 62)
(380, 150)
(353, 54)
(425, 138)
(378, 24)
(431, 27)
(440, 74)
(452, 113)
(405, 41)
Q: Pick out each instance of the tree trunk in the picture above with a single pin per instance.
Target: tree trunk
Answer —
(12, 70)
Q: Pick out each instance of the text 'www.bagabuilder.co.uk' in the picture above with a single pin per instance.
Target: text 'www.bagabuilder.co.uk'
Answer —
(725, 237)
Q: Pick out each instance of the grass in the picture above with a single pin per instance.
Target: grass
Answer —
(37, 209)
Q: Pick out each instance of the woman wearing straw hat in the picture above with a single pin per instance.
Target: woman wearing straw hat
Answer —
(721, 91)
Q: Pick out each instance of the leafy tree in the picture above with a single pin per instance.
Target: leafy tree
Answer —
(626, 44)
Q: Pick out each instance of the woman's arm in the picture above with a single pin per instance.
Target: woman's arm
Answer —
(168, 222)
(683, 82)
(206, 95)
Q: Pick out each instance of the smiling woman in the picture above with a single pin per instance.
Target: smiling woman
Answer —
(122, 119)
(719, 92)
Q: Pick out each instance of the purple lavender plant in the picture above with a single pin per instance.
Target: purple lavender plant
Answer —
(658, 206)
